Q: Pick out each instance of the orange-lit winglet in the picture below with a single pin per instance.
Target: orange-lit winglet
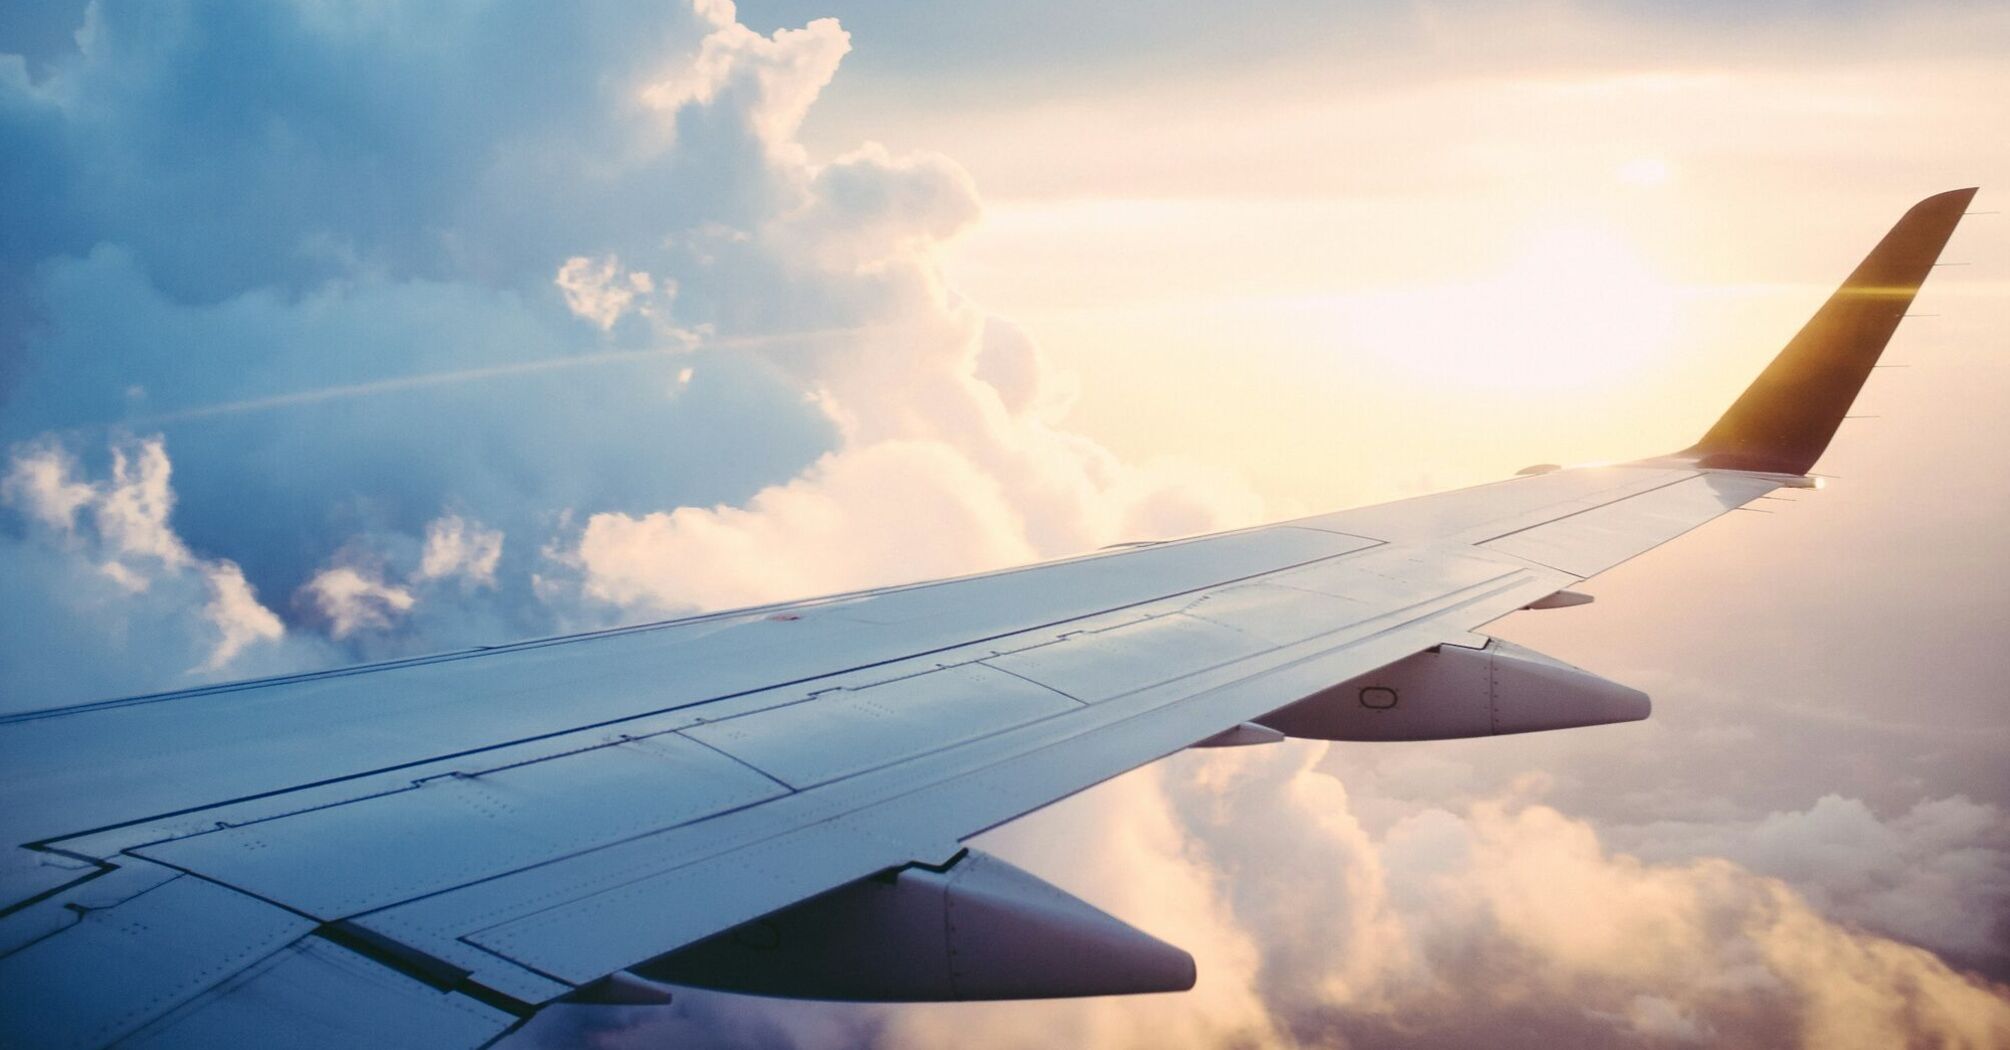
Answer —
(1784, 420)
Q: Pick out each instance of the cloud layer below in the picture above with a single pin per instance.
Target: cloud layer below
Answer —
(1504, 922)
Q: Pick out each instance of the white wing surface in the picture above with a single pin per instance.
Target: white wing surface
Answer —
(422, 853)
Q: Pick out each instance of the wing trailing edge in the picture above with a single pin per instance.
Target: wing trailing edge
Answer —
(1784, 420)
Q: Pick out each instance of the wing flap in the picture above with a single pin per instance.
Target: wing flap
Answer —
(323, 998)
(119, 966)
(457, 828)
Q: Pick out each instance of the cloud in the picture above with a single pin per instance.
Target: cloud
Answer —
(601, 291)
(240, 620)
(889, 512)
(609, 289)
(103, 586)
(1510, 911)
(1923, 875)
(766, 82)
(353, 601)
(1010, 363)
(344, 230)
(39, 484)
(457, 547)
(1507, 922)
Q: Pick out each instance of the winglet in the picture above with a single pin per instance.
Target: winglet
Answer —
(1784, 420)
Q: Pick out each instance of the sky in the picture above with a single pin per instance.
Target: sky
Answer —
(331, 334)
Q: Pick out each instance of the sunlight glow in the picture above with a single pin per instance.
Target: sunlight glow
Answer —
(1576, 308)
(1644, 171)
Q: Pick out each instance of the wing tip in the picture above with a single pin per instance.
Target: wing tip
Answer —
(1949, 199)
(1786, 418)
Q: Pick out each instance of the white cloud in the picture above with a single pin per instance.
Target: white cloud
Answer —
(1011, 364)
(1921, 875)
(458, 547)
(697, 190)
(768, 82)
(352, 600)
(949, 462)
(238, 616)
(870, 208)
(1513, 908)
(131, 512)
(120, 580)
(884, 513)
(601, 291)
(38, 482)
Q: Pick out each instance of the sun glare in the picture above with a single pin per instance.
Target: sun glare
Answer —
(1644, 171)
(1576, 308)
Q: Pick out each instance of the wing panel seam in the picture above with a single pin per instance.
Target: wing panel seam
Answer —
(1586, 510)
(534, 738)
(1438, 605)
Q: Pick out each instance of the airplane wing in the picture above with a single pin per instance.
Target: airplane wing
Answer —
(774, 800)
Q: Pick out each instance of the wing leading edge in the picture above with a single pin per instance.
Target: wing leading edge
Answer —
(423, 853)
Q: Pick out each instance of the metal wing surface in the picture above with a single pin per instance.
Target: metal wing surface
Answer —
(422, 853)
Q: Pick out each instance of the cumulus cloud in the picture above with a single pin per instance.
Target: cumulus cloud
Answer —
(364, 594)
(1511, 915)
(765, 82)
(240, 620)
(353, 600)
(601, 291)
(1507, 923)
(458, 547)
(102, 586)
(39, 484)
(1925, 875)
(886, 513)
(916, 376)
(1009, 362)
(419, 296)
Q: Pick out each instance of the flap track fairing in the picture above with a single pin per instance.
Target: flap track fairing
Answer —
(977, 929)
(1453, 691)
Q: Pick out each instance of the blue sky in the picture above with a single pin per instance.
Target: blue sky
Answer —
(329, 334)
